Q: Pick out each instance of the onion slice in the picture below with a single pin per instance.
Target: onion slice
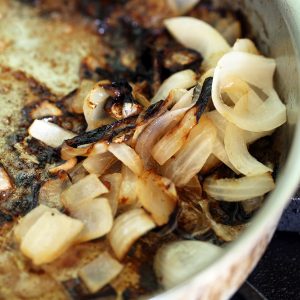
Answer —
(49, 133)
(154, 132)
(100, 271)
(245, 45)
(50, 236)
(182, 6)
(238, 154)
(129, 187)
(180, 80)
(178, 261)
(127, 228)
(93, 106)
(88, 187)
(127, 156)
(67, 152)
(158, 196)
(193, 155)
(99, 163)
(66, 166)
(96, 215)
(197, 35)
(257, 71)
(114, 181)
(233, 190)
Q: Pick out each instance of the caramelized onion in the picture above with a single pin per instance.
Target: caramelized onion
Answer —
(88, 187)
(100, 271)
(180, 80)
(49, 133)
(232, 189)
(127, 228)
(158, 196)
(66, 166)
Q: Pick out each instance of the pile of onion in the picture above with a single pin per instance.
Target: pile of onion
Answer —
(126, 169)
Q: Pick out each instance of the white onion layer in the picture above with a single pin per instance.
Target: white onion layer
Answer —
(231, 189)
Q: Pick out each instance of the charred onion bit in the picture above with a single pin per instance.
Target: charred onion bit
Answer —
(174, 60)
(121, 104)
(106, 132)
(204, 98)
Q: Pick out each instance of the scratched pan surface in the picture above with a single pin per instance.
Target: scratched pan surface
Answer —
(42, 50)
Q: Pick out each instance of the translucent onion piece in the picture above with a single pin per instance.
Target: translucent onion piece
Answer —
(225, 232)
(67, 152)
(88, 187)
(50, 191)
(96, 215)
(99, 272)
(180, 80)
(185, 100)
(66, 166)
(211, 163)
(238, 154)
(45, 109)
(192, 156)
(182, 6)
(99, 148)
(129, 187)
(178, 261)
(127, 156)
(197, 35)
(232, 190)
(49, 133)
(127, 228)
(173, 140)
(158, 196)
(5, 181)
(99, 163)
(28, 220)
(93, 106)
(245, 45)
(51, 235)
(258, 71)
(78, 100)
(154, 132)
(114, 181)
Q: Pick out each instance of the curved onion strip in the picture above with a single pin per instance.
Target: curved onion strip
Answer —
(220, 152)
(28, 220)
(178, 261)
(66, 166)
(114, 181)
(67, 152)
(180, 80)
(155, 131)
(197, 35)
(173, 140)
(88, 187)
(127, 228)
(192, 156)
(93, 106)
(219, 121)
(231, 189)
(49, 133)
(129, 187)
(158, 196)
(245, 45)
(184, 101)
(99, 163)
(96, 216)
(127, 156)
(238, 154)
(100, 271)
(99, 148)
(182, 6)
(50, 236)
(45, 109)
(78, 100)
(258, 71)
(226, 232)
